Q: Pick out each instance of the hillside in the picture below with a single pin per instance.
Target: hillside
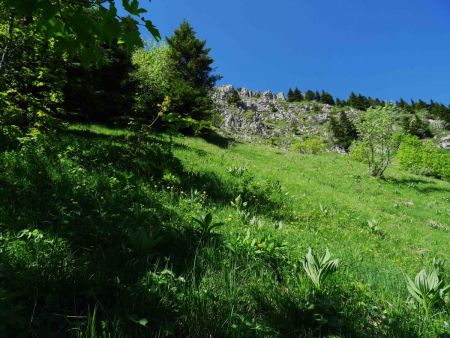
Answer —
(251, 115)
(116, 241)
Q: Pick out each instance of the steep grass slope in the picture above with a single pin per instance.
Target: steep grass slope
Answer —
(98, 239)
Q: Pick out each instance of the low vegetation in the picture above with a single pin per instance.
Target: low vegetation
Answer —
(211, 241)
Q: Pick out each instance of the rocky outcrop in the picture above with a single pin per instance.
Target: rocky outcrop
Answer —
(444, 142)
(269, 114)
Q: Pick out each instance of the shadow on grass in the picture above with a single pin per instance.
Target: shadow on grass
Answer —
(321, 315)
(218, 140)
(100, 194)
(418, 184)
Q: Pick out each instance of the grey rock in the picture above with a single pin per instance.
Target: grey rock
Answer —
(280, 96)
(444, 142)
(268, 95)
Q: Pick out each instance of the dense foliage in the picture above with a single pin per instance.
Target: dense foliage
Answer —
(78, 27)
(378, 138)
(181, 69)
(108, 90)
(423, 157)
(98, 239)
(343, 130)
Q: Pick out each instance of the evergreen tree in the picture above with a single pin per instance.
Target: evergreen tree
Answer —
(297, 95)
(309, 95)
(194, 64)
(317, 96)
(290, 95)
(344, 131)
(414, 125)
(326, 98)
(353, 100)
(363, 102)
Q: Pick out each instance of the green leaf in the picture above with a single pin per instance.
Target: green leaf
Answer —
(133, 7)
(142, 322)
(152, 29)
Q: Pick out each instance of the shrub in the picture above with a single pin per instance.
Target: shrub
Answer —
(423, 158)
(379, 140)
(358, 152)
(234, 99)
(249, 114)
(154, 75)
(313, 145)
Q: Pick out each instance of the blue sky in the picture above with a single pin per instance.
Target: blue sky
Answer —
(385, 48)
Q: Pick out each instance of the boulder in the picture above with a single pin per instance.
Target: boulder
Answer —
(445, 142)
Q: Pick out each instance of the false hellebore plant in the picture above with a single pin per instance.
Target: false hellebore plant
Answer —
(428, 289)
(318, 269)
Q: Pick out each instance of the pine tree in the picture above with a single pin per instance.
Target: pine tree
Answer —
(309, 95)
(317, 96)
(194, 64)
(297, 95)
(192, 57)
(290, 95)
(353, 100)
(344, 131)
(326, 98)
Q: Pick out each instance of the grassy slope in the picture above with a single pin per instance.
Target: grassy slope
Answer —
(117, 212)
(334, 199)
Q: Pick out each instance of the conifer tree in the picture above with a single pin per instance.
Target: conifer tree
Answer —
(317, 96)
(297, 95)
(353, 100)
(290, 95)
(344, 131)
(194, 64)
(192, 57)
(326, 98)
(309, 95)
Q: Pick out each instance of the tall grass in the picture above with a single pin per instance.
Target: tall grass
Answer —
(104, 234)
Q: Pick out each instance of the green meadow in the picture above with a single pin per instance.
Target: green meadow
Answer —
(103, 237)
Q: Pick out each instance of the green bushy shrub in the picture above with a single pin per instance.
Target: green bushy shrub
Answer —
(379, 139)
(234, 99)
(423, 158)
(313, 145)
(358, 151)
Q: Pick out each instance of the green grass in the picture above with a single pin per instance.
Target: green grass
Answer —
(98, 240)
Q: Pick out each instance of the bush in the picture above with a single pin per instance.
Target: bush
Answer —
(313, 145)
(154, 75)
(379, 139)
(423, 158)
(234, 99)
(358, 151)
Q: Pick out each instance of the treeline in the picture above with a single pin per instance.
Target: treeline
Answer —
(41, 84)
(361, 102)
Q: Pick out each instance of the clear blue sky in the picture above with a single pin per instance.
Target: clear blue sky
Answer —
(385, 48)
